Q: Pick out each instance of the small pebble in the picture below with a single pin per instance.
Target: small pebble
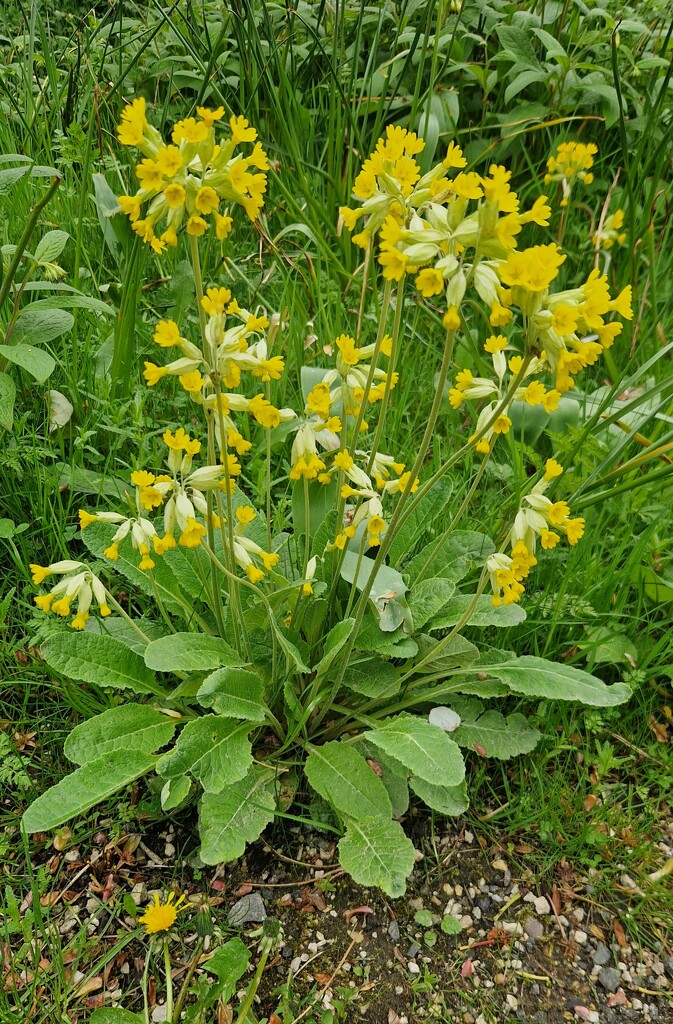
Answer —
(601, 956)
(542, 906)
(580, 937)
(413, 967)
(609, 978)
(394, 931)
(534, 928)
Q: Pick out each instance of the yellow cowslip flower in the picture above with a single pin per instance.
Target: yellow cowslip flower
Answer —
(264, 412)
(570, 163)
(192, 382)
(305, 462)
(77, 584)
(318, 400)
(185, 183)
(532, 270)
(159, 917)
(451, 319)
(430, 282)
(610, 233)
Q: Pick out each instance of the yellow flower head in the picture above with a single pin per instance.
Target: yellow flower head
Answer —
(159, 917)
(133, 123)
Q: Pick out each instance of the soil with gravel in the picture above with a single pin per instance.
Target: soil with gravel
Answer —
(475, 940)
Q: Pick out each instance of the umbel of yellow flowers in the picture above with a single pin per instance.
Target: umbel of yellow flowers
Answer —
(457, 233)
(186, 181)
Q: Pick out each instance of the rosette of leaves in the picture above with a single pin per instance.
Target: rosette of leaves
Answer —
(374, 720)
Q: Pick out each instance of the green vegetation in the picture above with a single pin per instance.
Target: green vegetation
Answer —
(80, 297)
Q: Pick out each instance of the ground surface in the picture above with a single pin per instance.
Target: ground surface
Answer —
(524, 952)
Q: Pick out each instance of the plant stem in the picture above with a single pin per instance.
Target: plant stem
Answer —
(169, 984)
(25, 238)
(182, 994)
(252, 991)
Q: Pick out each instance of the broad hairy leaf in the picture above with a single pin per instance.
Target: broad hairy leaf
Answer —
(136, 726)
(189, 652)
(423, 516)
(449, 800)
(99, 659)
(452, 556)
(456, 652)
(536, 677)
(497, 735)
(422, 748)
(38, 325)
(7, 396)
(86, 787)
(120, 629)
(397, 644)
(234, 693)
(229, 820)
(175, 791)
(336, 639)
(483, 614)
(37, 363)
(345, 780)
(215, 750)
(427, 599)
(375, 851)
(372, 677)
(387, 592)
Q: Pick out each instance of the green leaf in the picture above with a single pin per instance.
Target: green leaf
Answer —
(38, 364)
(393, 775)
(135, 726)
(234, 693)
(229, 963)
(387, 592)
(483, 614)
(498, 736)
(50, 246)
(175, 792)
(536, 677)
(429, 508)
(372, 678)
(215, 750)
(516, 45)
(451, 559)
(394, 645)
(321, 499)
(7, 396)
(231, 819)
(342, 776)
(39, 326)
(450, 800)
(99, 659)
(115, 1015)
(423, 748)
(189, 652)
(120, 629)
(523, 80)
(85, 787)
(336, 639)
(450, 925)
(457, 652)
(428, 598)
(375, 851)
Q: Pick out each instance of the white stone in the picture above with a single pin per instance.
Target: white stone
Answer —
(542, 905)
(580, 937)
(413, 968)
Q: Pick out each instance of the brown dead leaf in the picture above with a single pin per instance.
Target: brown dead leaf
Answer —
(393, 1018)
(597, 932)
(348, 914)
(620, 934)
(590, 802)
(617, 998)
(660, 729)
(322, 978)
(556, 900)
(225, 1014)
(243, 890)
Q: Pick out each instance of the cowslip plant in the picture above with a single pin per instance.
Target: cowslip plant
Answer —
(329, 658)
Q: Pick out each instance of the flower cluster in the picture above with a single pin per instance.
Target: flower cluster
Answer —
(538, 518)
(77, 585)
(610, 232)
(571, 162)
(186, 181)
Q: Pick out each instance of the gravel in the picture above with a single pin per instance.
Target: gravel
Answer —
(609, 978)
(534, 928)
(602, 955)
